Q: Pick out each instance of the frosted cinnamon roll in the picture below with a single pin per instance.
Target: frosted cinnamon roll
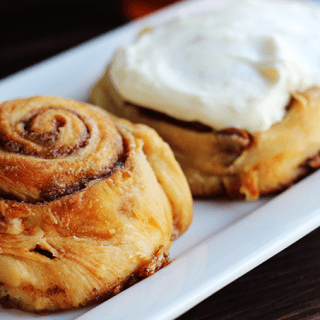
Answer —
(235, 92)
(89, 203)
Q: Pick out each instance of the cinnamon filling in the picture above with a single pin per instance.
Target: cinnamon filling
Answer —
(47, 134)
(191, 125)
(43, 252)
(230, 141)
(51, 133)
(51, 193)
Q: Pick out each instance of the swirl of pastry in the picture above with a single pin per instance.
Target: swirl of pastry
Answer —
(69, 144)
(89, 203)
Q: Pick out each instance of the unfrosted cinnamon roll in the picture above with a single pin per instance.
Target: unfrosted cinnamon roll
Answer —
(89, 203)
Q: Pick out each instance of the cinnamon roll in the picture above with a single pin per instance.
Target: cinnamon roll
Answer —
(89, 203)
(235, 93)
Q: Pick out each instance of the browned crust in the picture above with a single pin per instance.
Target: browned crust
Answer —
(160, 260)
(88, 245)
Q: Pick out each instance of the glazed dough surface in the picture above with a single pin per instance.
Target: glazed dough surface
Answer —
(88, 202)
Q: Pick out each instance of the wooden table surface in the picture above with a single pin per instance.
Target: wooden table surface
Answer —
(286, 286)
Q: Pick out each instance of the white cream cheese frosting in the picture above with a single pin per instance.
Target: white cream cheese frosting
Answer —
(234, 67)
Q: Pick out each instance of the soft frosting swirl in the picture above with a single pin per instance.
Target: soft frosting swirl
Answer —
(235, 67)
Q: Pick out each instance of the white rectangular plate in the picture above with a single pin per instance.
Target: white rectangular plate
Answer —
(226, 238)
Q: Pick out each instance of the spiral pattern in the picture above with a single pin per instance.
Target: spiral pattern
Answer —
(50, 148)
(89, 203)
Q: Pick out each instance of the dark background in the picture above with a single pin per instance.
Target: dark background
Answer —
(284, 287)
(33, 30)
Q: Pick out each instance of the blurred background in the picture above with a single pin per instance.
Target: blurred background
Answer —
(34, 30)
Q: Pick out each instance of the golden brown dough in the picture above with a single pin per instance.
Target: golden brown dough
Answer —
(89, 203)
(233, 162)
